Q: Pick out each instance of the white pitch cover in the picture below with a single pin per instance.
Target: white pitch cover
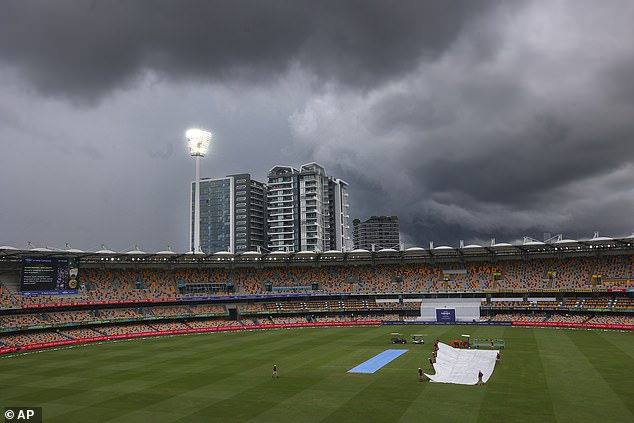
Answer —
(462, 366)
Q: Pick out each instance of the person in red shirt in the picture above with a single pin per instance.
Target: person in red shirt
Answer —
(480, 375)
(420, 374)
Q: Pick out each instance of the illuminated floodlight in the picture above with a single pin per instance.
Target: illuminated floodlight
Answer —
(198, 141)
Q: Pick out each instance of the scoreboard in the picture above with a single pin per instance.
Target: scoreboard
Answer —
(49, 274)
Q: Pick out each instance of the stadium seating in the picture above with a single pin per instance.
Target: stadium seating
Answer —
(119, 301)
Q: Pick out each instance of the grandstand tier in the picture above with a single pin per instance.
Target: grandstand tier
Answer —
(124, 297)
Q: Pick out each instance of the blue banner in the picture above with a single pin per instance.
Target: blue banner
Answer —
(446, 315)
(260, 296)
(51, 292)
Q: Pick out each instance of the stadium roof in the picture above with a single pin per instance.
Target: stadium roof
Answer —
(529, 248)
(106, 252)
(359, 251)
(165, 253)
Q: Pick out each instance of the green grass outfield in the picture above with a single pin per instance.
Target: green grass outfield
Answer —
(546, 375)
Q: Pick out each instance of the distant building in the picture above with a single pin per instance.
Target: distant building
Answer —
(232, 214)
(283, 209)
(376, 233)
(307, 210)
(340, 233)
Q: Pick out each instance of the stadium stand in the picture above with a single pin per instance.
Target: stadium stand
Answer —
(130, 299)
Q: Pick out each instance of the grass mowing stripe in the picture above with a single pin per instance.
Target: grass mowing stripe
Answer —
(121, 381)
(613, 369)
(378, 401)
(615, 339)
(575, 386)
(436, 402)
(145, 416)
(244, 403)
(320, 385)
(197, 391)
(518, 390)
(172, 378)
(119, 386)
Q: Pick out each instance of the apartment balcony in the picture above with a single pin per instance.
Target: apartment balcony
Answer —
(285, 232)
(280, 185)
(281, 211)
(288, 221)
(274, 203)
(280, 191)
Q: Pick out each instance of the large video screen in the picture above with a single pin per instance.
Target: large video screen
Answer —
(51, 275)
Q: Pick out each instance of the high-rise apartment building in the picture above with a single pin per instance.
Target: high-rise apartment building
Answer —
(307, 210)
(376, 233)
(283, 209)
(232, 214)
(341, 238)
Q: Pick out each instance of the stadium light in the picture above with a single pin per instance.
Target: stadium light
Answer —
(198, 142)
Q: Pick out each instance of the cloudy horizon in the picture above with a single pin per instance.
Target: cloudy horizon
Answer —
(468, 120)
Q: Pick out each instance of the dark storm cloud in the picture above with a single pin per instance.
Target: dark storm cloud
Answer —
(533, 136)
(83, 50)
(469, 120)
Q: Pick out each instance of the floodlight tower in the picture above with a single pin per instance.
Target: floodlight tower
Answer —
(198, 143)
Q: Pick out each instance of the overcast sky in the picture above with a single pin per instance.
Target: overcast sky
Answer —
(467, 119)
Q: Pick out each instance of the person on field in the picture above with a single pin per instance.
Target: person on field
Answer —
(274, 371)
(420, 374)
(431, 363)
(480, 375)
(497, 357)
